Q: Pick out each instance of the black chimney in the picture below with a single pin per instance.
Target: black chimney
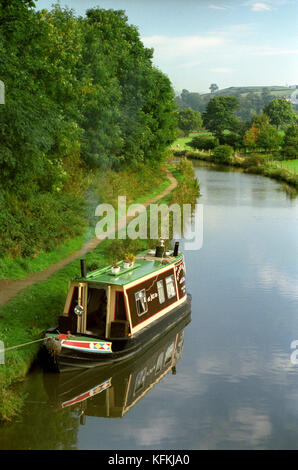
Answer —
(176, 249)
(83, 268)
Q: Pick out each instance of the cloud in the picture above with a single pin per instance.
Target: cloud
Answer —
(217, 7)
(272, 51)
(187, 48)
(261, 7)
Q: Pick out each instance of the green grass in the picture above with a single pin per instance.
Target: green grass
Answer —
(181, 142)
(291, 165)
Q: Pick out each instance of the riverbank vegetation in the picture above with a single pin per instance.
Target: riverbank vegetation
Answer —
(85, 112)
(266, 144)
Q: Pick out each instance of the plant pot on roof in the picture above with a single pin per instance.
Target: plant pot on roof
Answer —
(128, 260)
(115, 268)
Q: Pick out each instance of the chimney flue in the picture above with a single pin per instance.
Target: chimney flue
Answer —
(83, 268)
(176, 249)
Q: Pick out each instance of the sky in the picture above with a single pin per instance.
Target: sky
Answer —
(199, 42)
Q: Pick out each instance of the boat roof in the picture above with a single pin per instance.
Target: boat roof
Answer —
(145, 264)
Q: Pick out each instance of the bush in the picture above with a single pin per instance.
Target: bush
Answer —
(232, 139)
(254, 160)
(223, 153)
(40, 223)
(203, 142)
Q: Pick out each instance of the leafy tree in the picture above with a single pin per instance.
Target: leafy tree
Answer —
(189, 120)
(269, 138)
(81, 93)
(213, 87)
(251, 136)
(262, 135)
(249, 105)
(290, 144)
(219, 115)
(203, 142)
(280, 112)
(191, 100)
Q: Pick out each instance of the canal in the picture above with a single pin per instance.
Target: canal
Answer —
(226, 380)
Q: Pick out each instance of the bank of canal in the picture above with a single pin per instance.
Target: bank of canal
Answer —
(235, 386)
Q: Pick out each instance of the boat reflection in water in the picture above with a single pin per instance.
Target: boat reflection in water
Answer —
(112, 391)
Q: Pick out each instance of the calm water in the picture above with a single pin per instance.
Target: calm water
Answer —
(235, 386)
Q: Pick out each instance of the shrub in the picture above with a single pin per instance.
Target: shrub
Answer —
(254, 160)
(203, 142)
(232, 139)
(223, 153)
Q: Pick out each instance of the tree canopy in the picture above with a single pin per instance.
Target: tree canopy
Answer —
(219, 115)
(77, 88)
(280, 112)
(189, 120)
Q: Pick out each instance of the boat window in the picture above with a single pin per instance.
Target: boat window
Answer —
(170, 284)
(141, 301)
(161, 292)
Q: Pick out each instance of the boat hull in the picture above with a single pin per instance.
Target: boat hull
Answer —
(123, 349)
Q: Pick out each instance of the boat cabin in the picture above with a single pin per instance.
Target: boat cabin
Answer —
(107, 304)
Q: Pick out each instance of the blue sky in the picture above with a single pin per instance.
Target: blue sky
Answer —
(199, 42)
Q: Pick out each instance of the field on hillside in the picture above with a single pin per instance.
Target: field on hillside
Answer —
(278, 91)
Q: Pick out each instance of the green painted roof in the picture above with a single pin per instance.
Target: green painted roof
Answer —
(141, 268)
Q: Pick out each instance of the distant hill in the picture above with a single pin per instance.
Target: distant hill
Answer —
(252, 99)
(281, 91)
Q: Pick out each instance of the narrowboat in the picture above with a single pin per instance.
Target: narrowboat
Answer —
(112, 392)
(111, 313)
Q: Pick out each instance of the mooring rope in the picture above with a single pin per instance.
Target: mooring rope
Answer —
(21, 345)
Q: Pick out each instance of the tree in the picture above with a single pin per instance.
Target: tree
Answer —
(203, 142)
(189, 120)
(280, 112)
(250, 138)
(213, 88)
(262, 135)
(219, 115)
(191, 100)
(269, 138)
(290, 144)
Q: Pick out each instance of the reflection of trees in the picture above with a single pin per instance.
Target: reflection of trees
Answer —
(39, 427)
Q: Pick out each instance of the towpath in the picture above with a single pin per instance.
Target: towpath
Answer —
(10, 288)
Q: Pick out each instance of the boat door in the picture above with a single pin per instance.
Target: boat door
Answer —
(97, 309)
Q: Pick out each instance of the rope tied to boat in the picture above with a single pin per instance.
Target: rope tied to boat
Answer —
(22, 345)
